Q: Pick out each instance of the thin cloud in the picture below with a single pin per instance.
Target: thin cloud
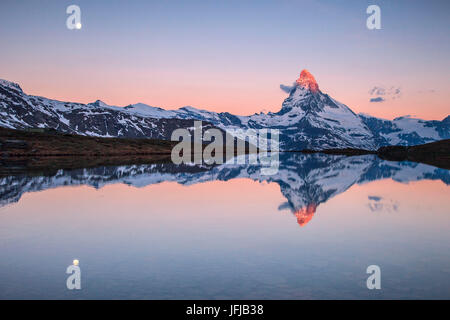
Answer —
(379, 204)
(385, 93)
(377, 99)
(378, 91)
(427, 91)
(286, 88)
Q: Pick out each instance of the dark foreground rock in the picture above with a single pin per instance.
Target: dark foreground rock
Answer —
(434, 153)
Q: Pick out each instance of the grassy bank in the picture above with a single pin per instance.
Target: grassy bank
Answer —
(18, 143)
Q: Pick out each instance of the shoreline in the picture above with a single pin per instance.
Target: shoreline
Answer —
(48, 150)
(434, 153)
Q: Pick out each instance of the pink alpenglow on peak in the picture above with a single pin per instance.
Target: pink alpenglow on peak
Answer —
(307, 81)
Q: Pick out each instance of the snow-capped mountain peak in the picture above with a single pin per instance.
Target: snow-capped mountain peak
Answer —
(314, 120)
(307, 81)
(100, 104)
(10, 85)
(305, 95)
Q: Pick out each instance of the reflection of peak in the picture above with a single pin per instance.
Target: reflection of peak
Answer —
(305, 181)
(304, 215)
(307, 81)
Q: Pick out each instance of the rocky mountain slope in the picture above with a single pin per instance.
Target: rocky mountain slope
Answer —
(308, 119)
(21, 111)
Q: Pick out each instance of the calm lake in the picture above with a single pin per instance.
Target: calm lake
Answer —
(161, 231)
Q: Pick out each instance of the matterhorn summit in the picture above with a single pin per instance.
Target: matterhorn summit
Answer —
(307, 81)
(314, 120)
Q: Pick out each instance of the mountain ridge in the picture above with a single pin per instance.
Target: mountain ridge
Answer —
(308, 119)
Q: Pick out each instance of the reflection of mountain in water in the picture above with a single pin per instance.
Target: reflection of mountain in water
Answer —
(305, 180)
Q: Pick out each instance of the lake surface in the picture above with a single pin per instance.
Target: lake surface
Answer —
(162, 231)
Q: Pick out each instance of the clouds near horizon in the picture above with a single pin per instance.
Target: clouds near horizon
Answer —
(385, 93)
(286, 88)
(377, 99)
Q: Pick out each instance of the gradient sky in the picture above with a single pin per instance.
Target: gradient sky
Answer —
(230, 55)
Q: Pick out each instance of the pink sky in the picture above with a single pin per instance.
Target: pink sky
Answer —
(237, 93)
(230, 56)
